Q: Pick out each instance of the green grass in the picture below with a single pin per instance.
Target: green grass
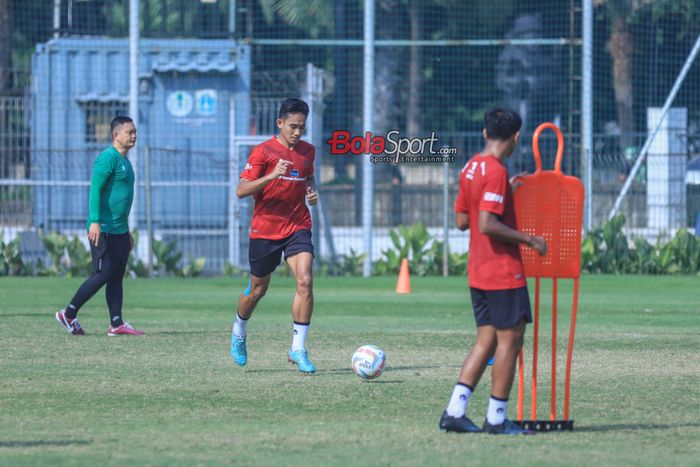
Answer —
(174, 397)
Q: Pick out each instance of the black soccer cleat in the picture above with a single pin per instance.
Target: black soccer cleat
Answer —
(505, 428)
(457, 424)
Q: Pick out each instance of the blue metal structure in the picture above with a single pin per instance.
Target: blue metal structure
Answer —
(194, 96)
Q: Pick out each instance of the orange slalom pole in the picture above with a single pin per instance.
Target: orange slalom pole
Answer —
(521, 383)
(553, 404)
(570, 351)
(535, 345)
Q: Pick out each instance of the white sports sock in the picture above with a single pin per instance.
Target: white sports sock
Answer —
(240, 327)
(497, 411)
(459, 401)
(299, 339)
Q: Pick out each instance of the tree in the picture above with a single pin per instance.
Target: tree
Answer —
(6, 19)
(314, 16)
(621, 47)
(415, 73)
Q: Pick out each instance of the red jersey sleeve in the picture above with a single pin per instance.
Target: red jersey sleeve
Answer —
(255, 168)
(493, 193)
(312, 158)
(462, 199)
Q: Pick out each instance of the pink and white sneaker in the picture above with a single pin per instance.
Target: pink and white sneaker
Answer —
(125, 329)
(70, 325)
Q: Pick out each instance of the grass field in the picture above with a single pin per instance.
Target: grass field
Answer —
(174, 397)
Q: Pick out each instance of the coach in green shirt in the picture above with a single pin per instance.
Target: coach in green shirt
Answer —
(111, 195)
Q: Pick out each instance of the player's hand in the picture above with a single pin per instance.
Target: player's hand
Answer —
(280, 169)
(516, 180)
(94, 233)
(311, 196)
(539, 244)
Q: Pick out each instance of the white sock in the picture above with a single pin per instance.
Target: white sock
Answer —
(459, 401)
(299, 339)
(497, 411)
(240, 327)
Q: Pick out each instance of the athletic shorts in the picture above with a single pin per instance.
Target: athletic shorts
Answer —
(265, 255)
(111, 253)
(501, 308)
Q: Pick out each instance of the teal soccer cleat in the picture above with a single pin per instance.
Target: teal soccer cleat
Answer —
(457, 424)
(505, 428)
(239, 353)
(301, 359)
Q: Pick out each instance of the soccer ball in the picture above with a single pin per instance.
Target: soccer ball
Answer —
(368, 362)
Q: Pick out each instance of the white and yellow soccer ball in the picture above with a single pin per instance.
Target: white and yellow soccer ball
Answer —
(368, 362)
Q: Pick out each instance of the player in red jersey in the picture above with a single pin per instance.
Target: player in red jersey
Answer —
(280, 177)
(496, 276)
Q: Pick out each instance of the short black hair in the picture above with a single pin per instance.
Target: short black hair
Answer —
(502, 123)
(119, 121)
(292, 105)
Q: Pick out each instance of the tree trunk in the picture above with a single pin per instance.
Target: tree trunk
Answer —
(415, 75)
(341, 106)
(387, 74)
(5, 79)
(620, 48)
(386, 105)
(5, 45)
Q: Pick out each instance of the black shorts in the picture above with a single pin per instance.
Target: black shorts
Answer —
(265, 255)
(501, 308)
(111, 254)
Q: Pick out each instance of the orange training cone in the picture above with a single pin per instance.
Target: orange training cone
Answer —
(404, 283)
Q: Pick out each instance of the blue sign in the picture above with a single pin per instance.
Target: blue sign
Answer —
(205, 102)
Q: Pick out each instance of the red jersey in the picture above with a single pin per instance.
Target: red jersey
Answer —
(484, 186)
(280, 207)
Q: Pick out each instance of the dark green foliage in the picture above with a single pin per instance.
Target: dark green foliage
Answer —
(608, 250)
(229, 270)
(167, 260)
(456, 262)
(134, 266)
(192, 269)
(11, 263)
(684, 251)
(350, 264)
(68, 256)
(424, 254)
(409, 242)
(165, 256)
(605, 250)
(79, 257)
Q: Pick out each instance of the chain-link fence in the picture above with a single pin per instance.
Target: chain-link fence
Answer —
(211, 73)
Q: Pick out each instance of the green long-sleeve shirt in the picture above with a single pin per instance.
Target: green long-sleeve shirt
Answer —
(111, 192)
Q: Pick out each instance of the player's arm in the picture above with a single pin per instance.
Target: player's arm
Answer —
(249, 187)
(101, 171)
(462, 220)
(311, 194)
(490, 224)
(461, 205)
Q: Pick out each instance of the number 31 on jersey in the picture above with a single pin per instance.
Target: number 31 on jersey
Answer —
(472, 169)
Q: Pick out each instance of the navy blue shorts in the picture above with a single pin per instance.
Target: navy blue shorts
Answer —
(265, 255)
(501, 308)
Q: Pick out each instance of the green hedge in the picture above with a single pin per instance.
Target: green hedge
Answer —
(608, 250)
(69, 257)
(605, 250)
